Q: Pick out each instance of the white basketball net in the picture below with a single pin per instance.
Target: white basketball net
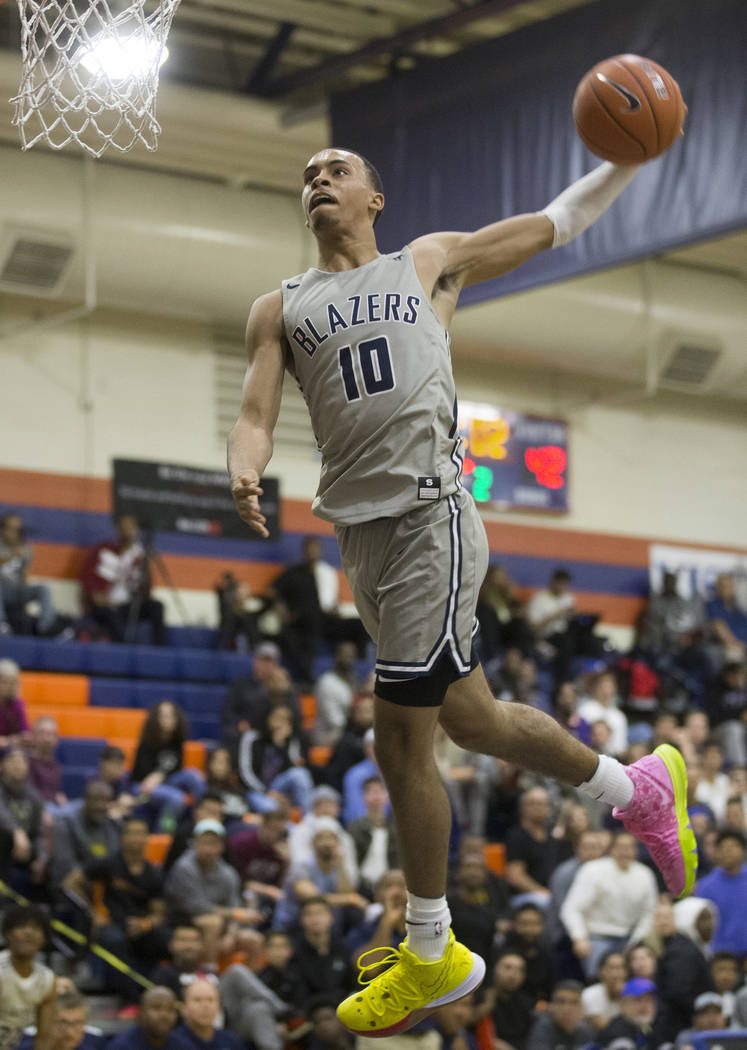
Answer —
(90, 72)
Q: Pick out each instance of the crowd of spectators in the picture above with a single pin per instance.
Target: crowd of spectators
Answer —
(282, 873)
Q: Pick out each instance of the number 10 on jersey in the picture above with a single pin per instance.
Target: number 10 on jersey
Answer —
(374, 366)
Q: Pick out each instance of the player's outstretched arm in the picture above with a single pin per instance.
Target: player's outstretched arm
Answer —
(451, 261)
(250, 441)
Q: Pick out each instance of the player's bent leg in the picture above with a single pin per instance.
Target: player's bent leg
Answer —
(655, 811)
(476, 721)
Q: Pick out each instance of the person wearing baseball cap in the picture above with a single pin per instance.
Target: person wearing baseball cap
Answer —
(203, 890)
(325, 802)
(209, 826)
(708, 1016)
(708, 1012)
(637, 1012)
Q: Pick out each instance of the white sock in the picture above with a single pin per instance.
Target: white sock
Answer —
(428, 923)
(610, 783)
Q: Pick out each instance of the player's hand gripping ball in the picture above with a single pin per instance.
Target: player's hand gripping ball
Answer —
(628, 109)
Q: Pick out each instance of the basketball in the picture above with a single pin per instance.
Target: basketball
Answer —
(628, 109)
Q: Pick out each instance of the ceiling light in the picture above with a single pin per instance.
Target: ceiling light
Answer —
(118, 59)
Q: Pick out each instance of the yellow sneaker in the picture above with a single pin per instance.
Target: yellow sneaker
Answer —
(409, 990)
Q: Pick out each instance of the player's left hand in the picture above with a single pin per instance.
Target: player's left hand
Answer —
(246, 492)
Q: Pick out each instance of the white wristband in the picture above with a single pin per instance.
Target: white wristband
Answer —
(581, 204)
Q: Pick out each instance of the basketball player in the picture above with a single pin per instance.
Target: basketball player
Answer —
(365, 335)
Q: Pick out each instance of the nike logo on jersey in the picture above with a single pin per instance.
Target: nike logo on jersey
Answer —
(289, 285)
(634, 103)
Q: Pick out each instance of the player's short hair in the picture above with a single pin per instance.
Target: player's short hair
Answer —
(374, 177)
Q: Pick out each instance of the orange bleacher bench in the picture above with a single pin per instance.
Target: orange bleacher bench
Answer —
(91, 721)
(495, 857)
(308, 710)
(194, 754)
(194, 751)
(320, 754)
(157, 847)
(68, 690)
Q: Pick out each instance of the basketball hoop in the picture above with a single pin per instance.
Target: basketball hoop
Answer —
(90, 72)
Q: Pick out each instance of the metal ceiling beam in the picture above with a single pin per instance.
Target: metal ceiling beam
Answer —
(400, 42)
(264, 68)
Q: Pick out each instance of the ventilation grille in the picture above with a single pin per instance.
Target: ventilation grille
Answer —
(31, 264)
(690, 366)
(293, 433)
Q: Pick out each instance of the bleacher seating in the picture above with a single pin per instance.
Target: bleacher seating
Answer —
(134, 661)
(99, 693)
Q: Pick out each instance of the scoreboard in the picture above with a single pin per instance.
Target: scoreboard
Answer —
(513, 461)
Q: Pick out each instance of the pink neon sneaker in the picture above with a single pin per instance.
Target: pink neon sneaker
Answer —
(657, 815)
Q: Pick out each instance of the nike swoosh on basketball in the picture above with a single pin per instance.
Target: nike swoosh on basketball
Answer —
(633, 101)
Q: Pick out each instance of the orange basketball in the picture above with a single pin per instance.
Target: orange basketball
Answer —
(628, 109)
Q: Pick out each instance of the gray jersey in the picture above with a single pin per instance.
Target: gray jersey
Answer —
(373, 363)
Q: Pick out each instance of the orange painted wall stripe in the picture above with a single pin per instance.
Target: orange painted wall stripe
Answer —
(63, 561)
(63, 491)
(565, 545)
(77, 492)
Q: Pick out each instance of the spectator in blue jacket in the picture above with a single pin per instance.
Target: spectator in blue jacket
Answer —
(726, 886)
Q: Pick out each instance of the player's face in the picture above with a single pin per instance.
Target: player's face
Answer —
(336, 190)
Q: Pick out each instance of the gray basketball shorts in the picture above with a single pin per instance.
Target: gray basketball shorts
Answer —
(415, 581)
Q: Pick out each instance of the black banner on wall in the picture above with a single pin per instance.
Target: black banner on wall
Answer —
(169, 497)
